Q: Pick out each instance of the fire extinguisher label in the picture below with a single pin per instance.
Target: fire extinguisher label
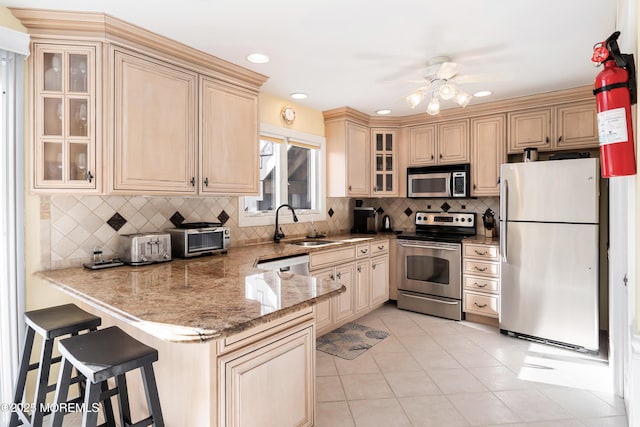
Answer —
(612, 126)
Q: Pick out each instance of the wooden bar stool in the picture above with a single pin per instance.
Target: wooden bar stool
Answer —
(101, 355)
(50, 323)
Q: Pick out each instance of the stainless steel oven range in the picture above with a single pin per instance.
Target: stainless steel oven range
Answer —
(430, 263)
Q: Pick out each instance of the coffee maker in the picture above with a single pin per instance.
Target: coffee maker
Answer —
(365, 220)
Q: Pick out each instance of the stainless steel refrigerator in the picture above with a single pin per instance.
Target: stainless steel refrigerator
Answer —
(549, 249)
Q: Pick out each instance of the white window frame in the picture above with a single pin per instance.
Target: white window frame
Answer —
(251, 219)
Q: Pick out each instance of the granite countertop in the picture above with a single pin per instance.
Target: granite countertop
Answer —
(202, 299)
(482, 239)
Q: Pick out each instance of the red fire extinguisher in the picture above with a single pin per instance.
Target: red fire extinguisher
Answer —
(615, 91)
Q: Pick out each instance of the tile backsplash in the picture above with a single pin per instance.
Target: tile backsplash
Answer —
(402, 211)
(72, 226)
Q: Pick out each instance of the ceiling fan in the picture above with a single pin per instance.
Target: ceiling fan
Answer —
(440, 76)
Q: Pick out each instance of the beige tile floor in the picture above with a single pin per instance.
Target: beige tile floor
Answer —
(436, 372)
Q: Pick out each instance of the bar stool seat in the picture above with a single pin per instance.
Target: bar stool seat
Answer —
(50, 323)
(105, 354)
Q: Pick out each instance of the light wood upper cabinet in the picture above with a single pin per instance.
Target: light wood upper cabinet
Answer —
(577, 125)
(348, 159)
(228, 139)
(66, 132)
(529, 128)
(440, 143)
(422, 142)
(384, 162)
(453, 142)
(488, 152)
(564, 126)
(154, 126)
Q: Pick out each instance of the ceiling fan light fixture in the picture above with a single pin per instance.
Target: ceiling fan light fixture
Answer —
(447, 91)
(462, 99)
(415, 98)
(433, 107)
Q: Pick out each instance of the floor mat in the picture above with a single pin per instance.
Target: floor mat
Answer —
(350, 341)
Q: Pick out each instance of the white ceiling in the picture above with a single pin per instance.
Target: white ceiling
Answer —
(359, 53)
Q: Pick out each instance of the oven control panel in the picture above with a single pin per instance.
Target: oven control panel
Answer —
(446, 219)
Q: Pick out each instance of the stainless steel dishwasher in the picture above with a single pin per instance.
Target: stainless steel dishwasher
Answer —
(297, 264)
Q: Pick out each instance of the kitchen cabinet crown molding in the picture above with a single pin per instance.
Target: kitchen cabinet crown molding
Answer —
(581, 93)
(93, 26)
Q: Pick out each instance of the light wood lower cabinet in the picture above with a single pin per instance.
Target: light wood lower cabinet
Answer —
(481, 278)
(344, 305)
(363, 270)
(270, 383)
(363, 285)
(153, 149)
(379, 280)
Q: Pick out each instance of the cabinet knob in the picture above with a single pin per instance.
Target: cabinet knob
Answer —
(546, 140)
(373, 266)
(432, 157)
(332, 277)
(359, 269)
(88, 176)
(339, 275)
(206, 182)
(440, 155)
(560, 139)
(474, 186)
(193, 181)
(350, 188)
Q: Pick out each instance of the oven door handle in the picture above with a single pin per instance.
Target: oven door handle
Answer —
(431, 299)
(405, 245)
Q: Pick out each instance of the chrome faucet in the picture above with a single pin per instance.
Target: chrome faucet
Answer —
(279, 234)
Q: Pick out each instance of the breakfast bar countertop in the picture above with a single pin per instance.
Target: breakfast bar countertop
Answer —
(202, 299)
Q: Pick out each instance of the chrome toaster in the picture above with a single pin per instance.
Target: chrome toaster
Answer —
(144, 248)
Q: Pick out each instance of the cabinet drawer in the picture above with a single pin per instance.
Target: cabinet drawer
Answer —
(478, 251)
(339, 256)
(482, 268)
(379, 247)
(481, 284)
(486, 305)
(363, 251)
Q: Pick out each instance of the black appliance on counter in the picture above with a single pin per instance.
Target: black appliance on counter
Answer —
(365, 220)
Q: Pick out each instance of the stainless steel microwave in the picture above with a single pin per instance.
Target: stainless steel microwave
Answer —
(443, 181)
(190, 242)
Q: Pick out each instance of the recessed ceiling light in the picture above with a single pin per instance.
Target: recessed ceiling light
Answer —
(298, 95)
(482, 93)
(383, 112)
(258, 58)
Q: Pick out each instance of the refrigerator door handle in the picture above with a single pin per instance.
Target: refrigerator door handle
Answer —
(504, 192)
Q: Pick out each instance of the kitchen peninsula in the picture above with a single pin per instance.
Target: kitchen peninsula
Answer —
(223, 329)
(227, 332)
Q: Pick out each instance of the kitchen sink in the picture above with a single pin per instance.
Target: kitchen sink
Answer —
(314, 243)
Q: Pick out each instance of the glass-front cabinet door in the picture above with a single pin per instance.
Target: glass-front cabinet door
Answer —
(384, 167)
(65, 117)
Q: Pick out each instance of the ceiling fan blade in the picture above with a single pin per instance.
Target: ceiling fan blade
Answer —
(483, 77)
(448, 70)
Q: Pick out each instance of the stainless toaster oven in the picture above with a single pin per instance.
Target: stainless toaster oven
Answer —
(195, 239)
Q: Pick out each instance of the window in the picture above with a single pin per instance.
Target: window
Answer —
(291, 172)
